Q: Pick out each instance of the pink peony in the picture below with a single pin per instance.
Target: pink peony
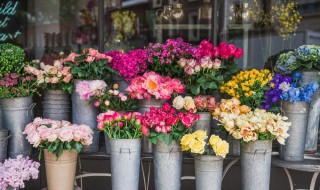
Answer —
(65, 134)
(90, 59)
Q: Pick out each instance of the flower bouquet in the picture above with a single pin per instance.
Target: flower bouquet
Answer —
(207, 66)
(90, 65)
(248, 86)
(13, 172)
(197, 104)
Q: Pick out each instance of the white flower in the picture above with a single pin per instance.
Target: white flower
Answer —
(284, 86)
(178, 102)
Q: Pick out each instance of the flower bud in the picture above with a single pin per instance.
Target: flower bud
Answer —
(115, 86)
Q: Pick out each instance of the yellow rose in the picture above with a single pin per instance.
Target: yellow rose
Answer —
(186, 140)
(197, 147)
(178, 102)
(214, 139)
(200, 135)
(185, 148)
(189, 103)
(222, 149)
(245, 109)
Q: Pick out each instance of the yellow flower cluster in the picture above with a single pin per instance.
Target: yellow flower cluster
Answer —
(124, 24)
(195, 143)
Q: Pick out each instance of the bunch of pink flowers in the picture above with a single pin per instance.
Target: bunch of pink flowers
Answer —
(87, 89)
(193, 66)
(130, 64)
(90, 56)
(47, 130)
(50, 74)
(223, 50)
(166, 120)
(13, 172)
(151, 84)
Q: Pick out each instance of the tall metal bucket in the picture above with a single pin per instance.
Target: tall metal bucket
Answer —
(3, 143)
(256, 165)
(167, 166)
(17, 113)
(297, 114)
(204, 123)
(86, 113)
(144, 105)
(123, 84)
(314, 113)
(234, 146)
(107, 143)
(208, 172)
(1, 120)
(125, 163)
(56, 105)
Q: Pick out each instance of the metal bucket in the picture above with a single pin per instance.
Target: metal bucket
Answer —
(17, 113)
(297, 114)
(314, 113)
(3, 143)
(123, 84)
(167, 166)
(234, 146)
(256, 165)
(204, 123)
(208, 172)
(144, 105)
(107, 143)
(1, 120)
(84, 113)
(56, 105)
(125, 163)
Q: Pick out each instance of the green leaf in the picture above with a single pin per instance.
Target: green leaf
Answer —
(153, 134)
(201, 80)
(195, 89)
(161, 137)
(78, 146)
(75, 70)
(168, 139)
(68, 146)
(153, 140)
(210, 85)
(59, 150)
(53, 146)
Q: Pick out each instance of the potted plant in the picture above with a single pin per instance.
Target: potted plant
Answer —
(56, 81)
(165, 127)
(256, 129)
(60, 141)
(16, 90)
(208, 162)
(15, 171)
(125, 135)
(90, 65)
(305, 59)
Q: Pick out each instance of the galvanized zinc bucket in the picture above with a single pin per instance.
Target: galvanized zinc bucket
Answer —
(123, 84)
(297, 114)
(17, 113)
(208, 172)
(125, 163)
(234, 146)
(3, 143)
(144, 105)
(167, 166)
(204, 123)
(56, 105)
(1, 120)
(107, 143)
(256, 165)
(86, 113)
(314, 113)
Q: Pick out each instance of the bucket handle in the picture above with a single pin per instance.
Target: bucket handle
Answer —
(260, 151)
(31, 109)
(7, 138)
(172, 149)
(125, 150)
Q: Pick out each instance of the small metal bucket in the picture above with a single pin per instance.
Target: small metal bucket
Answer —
(314, 113)
(56, 105)
(86, 113)
(256, 165)
(144, 105)
(17, 113)
(123, 84)
(208, 172)
(167, 166)
(3, 143)
(125, 163)
(297, 114)
(234, 146)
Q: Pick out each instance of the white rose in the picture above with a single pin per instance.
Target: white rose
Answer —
(178, 102)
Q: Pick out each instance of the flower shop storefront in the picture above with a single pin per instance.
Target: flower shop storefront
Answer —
(159, 94)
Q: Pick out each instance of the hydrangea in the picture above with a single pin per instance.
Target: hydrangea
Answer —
(286, 63)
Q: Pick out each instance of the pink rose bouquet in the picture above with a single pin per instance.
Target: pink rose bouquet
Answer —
(120, 126)
(151, 84)
(13, 172)
(165, 124)
(88, 89)
(90, 65)
(206, 66)
(57, 136)
(56, 76)
(130, 64)
(199, 103)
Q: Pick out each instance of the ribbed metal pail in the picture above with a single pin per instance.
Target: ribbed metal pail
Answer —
(125, 163)
(17, 113)
(1, 120)
(234, 146)
(297, 114)
(144, 105)
(86, 113)
(167, 166)
(208, 172)
(256, 165)
(56, 105)
(3, 143)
